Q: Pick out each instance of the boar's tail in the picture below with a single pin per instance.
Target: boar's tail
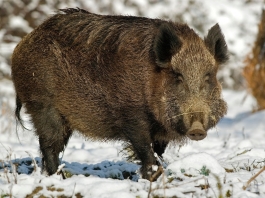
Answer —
(17, 113)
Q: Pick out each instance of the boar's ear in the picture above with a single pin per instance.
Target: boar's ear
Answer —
(166, 44)
(215, 42)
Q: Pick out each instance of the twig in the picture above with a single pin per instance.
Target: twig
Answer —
(185, 113)
(154, 177)
(60, 170)
(245, 151)
(6, 174)
(73, 195)
(160, 160)
(33, 161)
(60, 167)
(225, 143)
(150, 189)
(159, 171)
(252, 178)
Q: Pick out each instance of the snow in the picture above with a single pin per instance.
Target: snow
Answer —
(18, 22)
(228, 157)
(201, 159)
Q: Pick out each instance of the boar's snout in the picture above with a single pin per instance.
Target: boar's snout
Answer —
(196, 132)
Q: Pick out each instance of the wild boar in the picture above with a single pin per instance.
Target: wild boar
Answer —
(143, 81)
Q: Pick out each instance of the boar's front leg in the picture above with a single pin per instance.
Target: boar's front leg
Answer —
(159, 147)
(140, 140)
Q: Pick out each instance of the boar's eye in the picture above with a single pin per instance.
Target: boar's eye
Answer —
(179, 77)
(207, 78)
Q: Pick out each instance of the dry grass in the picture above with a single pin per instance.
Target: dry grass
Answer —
(254, 71)
(253, 178)
(37, 192)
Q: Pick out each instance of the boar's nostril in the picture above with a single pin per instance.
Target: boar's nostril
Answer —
(196, 132)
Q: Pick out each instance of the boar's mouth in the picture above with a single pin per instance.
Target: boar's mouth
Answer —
(180, 127)
(196, 132)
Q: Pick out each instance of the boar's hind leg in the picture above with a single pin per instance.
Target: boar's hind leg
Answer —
(53, 131)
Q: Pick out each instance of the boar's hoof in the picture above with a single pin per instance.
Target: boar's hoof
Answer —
(196, 132)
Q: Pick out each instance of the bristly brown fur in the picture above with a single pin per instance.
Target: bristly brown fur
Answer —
(139, 80)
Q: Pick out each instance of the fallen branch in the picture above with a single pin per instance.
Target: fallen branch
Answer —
(60, 171)
(252, 178)
(159, 171)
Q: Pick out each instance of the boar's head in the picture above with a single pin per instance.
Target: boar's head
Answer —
(187, 95)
